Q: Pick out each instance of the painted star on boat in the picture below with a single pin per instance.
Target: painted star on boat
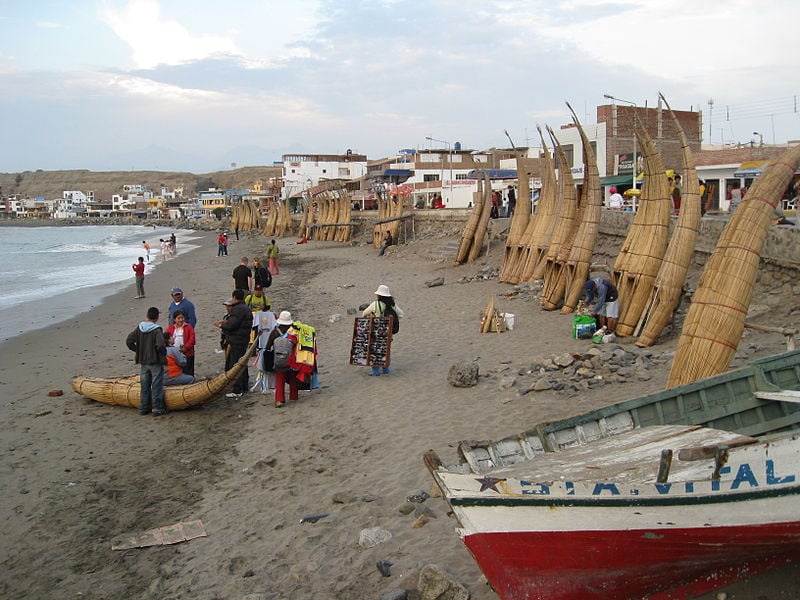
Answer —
(489, 483)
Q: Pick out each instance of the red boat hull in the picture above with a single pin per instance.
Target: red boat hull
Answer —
(626, 565)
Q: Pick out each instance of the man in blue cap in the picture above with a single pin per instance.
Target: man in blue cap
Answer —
(602, 295)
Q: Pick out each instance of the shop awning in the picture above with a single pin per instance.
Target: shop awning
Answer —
(617, 180)
(398, 173)
(750, 168)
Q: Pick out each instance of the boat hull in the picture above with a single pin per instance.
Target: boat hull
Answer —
(631, 564)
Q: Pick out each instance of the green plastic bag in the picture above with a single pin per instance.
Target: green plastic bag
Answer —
(583, 327)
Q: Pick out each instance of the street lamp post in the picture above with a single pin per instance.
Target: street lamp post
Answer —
(610, 97)
(760, 138)
(450, 159)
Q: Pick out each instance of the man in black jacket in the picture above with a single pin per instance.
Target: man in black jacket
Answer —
(147, 341)
(237, 328)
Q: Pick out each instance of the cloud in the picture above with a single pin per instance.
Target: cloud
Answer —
(155, 40)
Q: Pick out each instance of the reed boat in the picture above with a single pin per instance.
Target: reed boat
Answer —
(124, 391)
(666, 496)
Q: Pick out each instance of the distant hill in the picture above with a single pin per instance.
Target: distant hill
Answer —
(50, 184)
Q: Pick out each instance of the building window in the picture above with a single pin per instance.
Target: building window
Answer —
(569, 152)
(430, 177)
(461, 176)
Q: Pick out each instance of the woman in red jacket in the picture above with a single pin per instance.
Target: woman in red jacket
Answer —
(184, 337)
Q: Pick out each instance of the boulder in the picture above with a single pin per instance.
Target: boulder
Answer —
(435, 584)
(463, 374)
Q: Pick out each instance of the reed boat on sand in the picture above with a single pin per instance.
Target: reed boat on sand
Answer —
(578, 264)
(564, 233)
(668, 287)
(714, 322)
(124, 391)
(666, 496)
(639, 259)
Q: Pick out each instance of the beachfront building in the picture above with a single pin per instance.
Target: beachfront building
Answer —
(722, 169)
(440, 177)
(301, 172)
(72, 204)
(725, 170)
(211, 200)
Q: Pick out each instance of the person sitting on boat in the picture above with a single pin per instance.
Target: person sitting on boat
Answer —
(175, 362)
(602, 294)
(184, 339)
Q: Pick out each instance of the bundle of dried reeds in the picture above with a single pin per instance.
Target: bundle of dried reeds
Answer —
(483, 222)
(269, 227)
(715, 320)
(578, 264)
(544, 219)
(284, 221)
(304, 229)
(519, 223)
(490, 318)
(472, 224)
(345, 216)
(566, 226)
(671, 276)
(640, 258)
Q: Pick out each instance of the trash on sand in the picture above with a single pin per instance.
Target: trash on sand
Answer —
(313, 518)
(162, 536)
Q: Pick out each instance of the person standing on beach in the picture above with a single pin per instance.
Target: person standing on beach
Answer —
(138, 271)
(243, 276)
(225, 244)
(174, 242)
(147, 342)
(258, 300)
(181, 303)
(237, 328)
(384, 302)
(282, 377)
(220, 244)
(146, 247)
(272, 256)
(261, 275)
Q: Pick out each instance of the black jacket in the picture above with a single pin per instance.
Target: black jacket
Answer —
(147, 342)
(238, 325)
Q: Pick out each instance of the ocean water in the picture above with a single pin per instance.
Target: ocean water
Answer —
(50, 274)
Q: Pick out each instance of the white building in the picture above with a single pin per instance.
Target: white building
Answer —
(304, 171)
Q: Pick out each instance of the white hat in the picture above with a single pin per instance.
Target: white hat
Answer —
(285, 318)
(383, 290)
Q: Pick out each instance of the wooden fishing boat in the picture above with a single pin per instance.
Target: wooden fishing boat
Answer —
(124, 391)
(670, 495)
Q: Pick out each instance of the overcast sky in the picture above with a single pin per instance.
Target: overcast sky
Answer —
(197, 85)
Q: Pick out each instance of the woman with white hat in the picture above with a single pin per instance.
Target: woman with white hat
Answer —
(282, 326)
(378, 309)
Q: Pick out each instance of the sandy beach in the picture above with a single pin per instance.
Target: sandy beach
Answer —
(77, 473)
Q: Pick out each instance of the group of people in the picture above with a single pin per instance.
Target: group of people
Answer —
(166, 356)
